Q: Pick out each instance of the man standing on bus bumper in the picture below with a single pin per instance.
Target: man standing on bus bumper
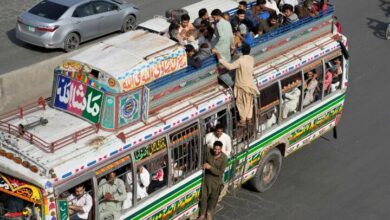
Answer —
(215, 164)
(244, 85)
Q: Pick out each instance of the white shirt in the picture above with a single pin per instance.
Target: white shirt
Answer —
(224, 138)
(272, 5)
(85, 201)
(142, 183)
(290, 2)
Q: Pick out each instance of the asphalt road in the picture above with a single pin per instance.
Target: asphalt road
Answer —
(348, 178)
(15, 54)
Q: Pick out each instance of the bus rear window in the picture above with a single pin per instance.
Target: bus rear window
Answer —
(49, 10)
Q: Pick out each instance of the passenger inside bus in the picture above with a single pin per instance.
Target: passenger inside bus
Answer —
(159, 178)
(291, 102)
(310, 87)
(111, 194)
(80, 203)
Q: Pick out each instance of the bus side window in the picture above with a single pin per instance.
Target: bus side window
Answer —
(269, 105)
(333, 76)
(115, 188)
(291, 94)
(312, 86)
(185, 150)
(152, 175)
(80, 195)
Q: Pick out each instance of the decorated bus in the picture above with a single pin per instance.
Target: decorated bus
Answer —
(132, 106)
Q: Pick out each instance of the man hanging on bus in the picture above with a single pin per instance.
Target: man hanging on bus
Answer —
(80, 203)
(112, 192)
(214, 166)
(244, 85)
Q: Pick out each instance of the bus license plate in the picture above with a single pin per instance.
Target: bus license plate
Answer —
(32, 29)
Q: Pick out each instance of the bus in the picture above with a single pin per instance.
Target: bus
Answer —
(131, 110)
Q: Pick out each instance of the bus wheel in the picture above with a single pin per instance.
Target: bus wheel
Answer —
(268, 171)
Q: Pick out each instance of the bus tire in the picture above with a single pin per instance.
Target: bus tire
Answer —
(268, 171)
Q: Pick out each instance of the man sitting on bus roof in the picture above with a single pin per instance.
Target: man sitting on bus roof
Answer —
(80, 203)
(219, 135)
(203, 16)
(111, 194)
(244, 85)
(214, 166)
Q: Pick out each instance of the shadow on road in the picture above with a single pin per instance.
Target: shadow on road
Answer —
(379, 27)
(12, 37)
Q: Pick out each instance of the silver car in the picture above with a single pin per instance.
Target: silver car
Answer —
(67, 23)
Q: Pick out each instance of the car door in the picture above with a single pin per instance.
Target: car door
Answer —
(110, 16)
(86, 21)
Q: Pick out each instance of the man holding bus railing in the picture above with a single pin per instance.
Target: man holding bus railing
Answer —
(214, 166)
(244, 85)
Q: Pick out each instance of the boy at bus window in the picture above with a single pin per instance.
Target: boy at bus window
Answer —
(214, 166)
(288, 14)
(291, 102)
(111, 194)
(223, 33)
(244, 86)
(79, 203)
(219, 135)
(310, 86)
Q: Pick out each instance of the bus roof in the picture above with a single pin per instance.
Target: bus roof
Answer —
(102, 146)
(120, 54)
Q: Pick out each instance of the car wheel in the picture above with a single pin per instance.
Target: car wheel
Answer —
(268, 171)
(129, 23)
(71, 42)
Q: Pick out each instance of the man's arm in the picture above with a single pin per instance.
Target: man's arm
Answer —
(219, 170)
(121, 195)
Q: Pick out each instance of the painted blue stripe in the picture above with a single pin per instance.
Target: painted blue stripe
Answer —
(127, 146)
(91, 163)
(148, 136)
(185, 119)
(66, 175)
(278, 74)
(202, 110)
(264, 81)
(303, 62)
(167, 127)
(114, 152)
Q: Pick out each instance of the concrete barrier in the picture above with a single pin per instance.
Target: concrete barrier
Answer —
(26, 85)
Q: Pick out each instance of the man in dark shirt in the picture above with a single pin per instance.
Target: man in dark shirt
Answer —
(270, 24)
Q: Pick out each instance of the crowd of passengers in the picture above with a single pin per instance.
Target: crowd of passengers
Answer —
(227, 33)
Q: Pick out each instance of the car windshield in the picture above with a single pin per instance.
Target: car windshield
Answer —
(48, 9)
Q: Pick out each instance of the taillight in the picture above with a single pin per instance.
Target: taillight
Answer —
(48, 29)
